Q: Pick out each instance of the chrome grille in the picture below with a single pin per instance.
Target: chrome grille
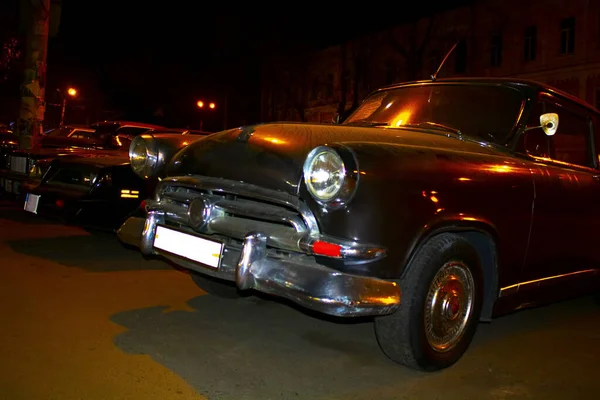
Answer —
(231, 205)
(18, 164)
(231, 209)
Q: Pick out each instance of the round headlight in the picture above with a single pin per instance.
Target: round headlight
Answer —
(324, 173)
(137, 155)
(141, 157)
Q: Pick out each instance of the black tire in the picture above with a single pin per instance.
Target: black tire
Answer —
(216, 287)
(403, 335)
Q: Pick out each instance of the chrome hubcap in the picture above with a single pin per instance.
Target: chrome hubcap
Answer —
(449, 305)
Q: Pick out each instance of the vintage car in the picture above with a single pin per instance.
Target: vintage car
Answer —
(111, 137)
(68, 136)
(435, 205)
(60, 136)
(96, 189)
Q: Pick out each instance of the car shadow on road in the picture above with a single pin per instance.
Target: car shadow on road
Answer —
(252, 349)
(95, 252)
(10, 211)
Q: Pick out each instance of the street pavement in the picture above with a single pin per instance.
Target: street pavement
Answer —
(83, 317)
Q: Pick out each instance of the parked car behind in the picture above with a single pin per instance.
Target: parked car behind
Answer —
(97, 189)
(9, 142)
(68, 136)
(434, 206)
(107, 137)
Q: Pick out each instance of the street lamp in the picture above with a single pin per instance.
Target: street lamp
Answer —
(200, 104)
(71, 92)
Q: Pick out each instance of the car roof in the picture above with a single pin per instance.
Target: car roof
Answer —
(183, 131)
(523, 84)
(128, 123)
(196, 132)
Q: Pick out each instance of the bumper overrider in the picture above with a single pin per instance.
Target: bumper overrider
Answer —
(272, 244)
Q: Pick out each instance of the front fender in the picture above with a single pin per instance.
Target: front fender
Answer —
(406, 192)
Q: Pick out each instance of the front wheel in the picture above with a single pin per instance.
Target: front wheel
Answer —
(441, 303)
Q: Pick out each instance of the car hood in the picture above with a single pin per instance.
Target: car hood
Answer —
(41, 153)
(272, 155)
(97, 160)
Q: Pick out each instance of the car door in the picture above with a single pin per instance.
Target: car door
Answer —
(562, 242)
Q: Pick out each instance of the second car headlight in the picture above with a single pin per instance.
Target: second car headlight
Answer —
(143, 159)
(324, 173)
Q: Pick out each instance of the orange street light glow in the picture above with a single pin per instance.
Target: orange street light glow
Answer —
(200, 104)
(212, 105)
(72, 92)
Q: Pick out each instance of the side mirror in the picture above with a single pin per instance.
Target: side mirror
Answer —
(549, 123)
(336, 118)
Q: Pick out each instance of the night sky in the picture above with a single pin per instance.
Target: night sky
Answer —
(138, 56)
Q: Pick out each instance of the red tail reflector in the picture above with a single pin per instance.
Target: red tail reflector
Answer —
(60, 203)
(327, 249)
(143, 204)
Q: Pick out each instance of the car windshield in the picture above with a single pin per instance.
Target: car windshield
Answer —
(59, 132)
(483, 112)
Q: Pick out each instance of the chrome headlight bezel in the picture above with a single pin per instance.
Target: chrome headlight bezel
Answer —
(346, 171)
(144, 156)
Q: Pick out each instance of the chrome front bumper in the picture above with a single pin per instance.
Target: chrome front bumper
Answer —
(298, 278)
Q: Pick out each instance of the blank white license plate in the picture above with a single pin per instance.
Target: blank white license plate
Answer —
(204, 251)
(31, 202)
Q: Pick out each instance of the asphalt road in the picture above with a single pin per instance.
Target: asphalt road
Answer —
(82, 317)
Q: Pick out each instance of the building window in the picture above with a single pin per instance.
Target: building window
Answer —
(567, 35)
(460, 61)
(315, 89)
(496, 50)
(329, 86)
(530, 47)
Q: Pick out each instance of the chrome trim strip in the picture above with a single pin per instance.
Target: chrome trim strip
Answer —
(512, 289)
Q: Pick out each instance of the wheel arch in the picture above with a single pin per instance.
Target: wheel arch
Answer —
(483, 236)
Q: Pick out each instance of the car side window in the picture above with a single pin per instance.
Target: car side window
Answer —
(131, 131)
(80, 134)
(572, 141)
